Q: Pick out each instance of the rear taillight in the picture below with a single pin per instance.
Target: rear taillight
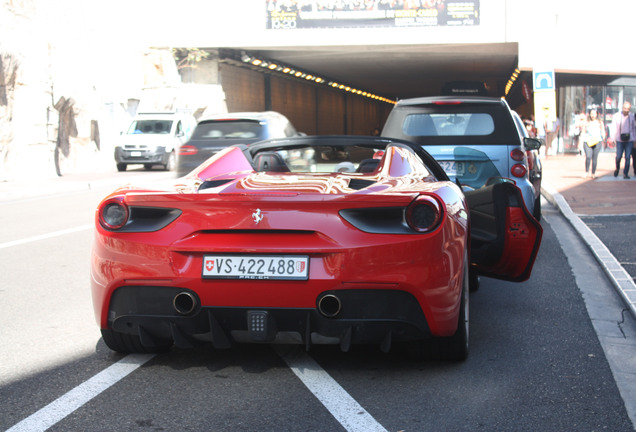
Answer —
(187, 150)
(424, 214)
(517, 155)
(518, 170)
(113, 214)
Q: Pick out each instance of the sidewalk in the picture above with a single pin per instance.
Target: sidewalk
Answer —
(100, 179)
(565, 186)
(605, 195)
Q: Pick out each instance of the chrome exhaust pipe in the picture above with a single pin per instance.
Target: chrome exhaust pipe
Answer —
(184, 303)
(329, 305)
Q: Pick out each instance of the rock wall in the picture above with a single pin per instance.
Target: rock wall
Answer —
(67, 89)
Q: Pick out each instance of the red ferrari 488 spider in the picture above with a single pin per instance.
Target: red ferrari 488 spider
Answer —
(311, 240)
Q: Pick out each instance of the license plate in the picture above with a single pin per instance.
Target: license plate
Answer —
(281, 267)
(135, 154)
(453, 168)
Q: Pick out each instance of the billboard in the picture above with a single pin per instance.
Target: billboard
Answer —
(297, 14)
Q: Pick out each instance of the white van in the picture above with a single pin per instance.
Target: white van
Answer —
(152, 139)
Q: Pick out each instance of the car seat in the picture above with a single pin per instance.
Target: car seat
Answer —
(368, 165)
(270, 161)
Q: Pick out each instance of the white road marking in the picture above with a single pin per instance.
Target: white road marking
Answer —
(45, 236)
(66, 404)
(340, 404)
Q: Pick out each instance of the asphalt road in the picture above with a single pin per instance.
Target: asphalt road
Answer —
(550, 354)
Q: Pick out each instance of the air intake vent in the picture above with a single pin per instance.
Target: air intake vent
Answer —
(358, 184)
(208, 184)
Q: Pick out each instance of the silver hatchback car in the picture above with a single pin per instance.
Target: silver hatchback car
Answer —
(474, 139)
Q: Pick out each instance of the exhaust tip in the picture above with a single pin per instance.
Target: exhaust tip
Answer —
(329, 305)
(184, 303)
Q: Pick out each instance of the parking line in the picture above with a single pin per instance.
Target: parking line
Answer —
(69, 402)
(45, 236)
(338, 402)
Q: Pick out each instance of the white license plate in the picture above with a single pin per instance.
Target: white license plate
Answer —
(290, 267)
(135, 154)
(453, 168)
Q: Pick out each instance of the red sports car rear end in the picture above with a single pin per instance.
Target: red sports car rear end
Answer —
(272, 244)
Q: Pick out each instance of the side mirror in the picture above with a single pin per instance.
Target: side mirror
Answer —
(532, 143)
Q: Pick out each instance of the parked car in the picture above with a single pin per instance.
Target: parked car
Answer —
(535, 169)
(475, 139)
(152, 139)
(215, 133)
(253, 246)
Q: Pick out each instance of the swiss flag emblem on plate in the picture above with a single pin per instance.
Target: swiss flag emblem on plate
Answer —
(209, 264)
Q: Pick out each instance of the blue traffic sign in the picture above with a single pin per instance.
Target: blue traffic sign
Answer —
(543, 81)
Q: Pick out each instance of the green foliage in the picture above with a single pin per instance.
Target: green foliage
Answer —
(189, 57)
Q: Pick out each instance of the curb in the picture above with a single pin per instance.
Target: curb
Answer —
(622, 281)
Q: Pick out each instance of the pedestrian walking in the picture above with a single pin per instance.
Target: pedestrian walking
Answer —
(551, 129)
(623, 135)
(577, 133)
(593, 134)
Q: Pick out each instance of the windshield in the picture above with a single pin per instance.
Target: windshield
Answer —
(323, 159)
(449, 124)
(150, 127)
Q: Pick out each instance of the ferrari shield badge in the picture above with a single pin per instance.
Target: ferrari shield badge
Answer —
(257, 216)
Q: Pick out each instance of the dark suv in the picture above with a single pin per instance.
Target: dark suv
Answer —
(475, 140)
(215, 133)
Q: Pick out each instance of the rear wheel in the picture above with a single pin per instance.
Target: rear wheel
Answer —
(127, 343)
(473, 281)
(121, 167)
(455, 347)
(171, 164)
(451, 348)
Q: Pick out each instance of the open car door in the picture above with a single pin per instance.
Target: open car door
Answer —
(504, 236)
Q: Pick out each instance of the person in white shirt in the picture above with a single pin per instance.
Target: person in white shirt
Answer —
(623, 135)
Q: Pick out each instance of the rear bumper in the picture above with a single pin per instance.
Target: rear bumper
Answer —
(363, 316)
(528, 192)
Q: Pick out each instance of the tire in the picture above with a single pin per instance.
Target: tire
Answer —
(455, 347)
(473, 281)
(537, 208)
(147, 167)
(171, 164)
(121, 167)
(126, 343)
(451, 348)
